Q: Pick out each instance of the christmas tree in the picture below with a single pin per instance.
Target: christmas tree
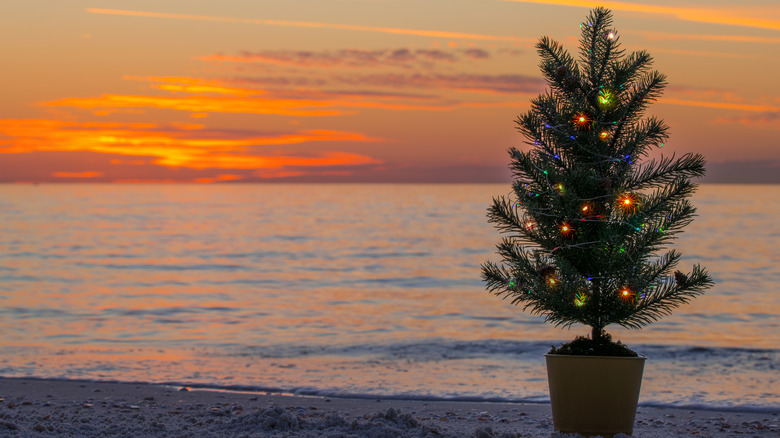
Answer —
(591, 210)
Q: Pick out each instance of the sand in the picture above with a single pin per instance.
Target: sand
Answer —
(34, 407)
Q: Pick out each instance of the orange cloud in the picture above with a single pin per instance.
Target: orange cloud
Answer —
(353, 27)
(731, 17)
(77, 174)
(719, 105)
(706, 53)
(185, 84)
(666, 36)
(280, 106)
(234, 161)
(218, 178)
(174, 147)
(298, 102)
(200, 104)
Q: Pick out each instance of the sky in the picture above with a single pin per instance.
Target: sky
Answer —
(200, 91)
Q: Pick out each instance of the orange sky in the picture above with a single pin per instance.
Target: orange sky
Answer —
(353, 90)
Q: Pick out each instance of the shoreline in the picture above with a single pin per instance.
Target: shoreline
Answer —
(32, 407)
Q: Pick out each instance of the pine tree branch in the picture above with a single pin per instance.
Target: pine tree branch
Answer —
(593, 38)
(631, 67)
(664, 171)
(503, 215)
(663, 300)
(663, 266)
(636, 141)
(670, 201)
(557, 65)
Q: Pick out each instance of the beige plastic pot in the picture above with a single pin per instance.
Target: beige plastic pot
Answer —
(594, 395)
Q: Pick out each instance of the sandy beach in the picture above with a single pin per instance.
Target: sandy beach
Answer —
(32, 407)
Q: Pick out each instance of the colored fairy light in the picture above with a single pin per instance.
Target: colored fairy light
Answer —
(603, 135)
(556, 156)
(579, 299)
(529, 225)
(581, 121)
(551, 281)
(565, 229)
(559, 186)
(628, 202)
(625, 293)
(611, 36)
(606, 98)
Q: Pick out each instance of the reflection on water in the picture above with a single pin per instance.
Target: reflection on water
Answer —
(200, 283)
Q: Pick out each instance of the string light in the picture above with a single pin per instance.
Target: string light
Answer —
(603, 135)
(611, 36)
(581, 121)
(625, 294)
(606, 98)
(565, 229)
(585, 209)
(628, 202)
(580, 299)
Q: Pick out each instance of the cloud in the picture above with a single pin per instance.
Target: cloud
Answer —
(354, 58)
(766, 119)
(198, 104)
(667, 36)
(175, 147)
(707, 53)
(218, 178)
(720, 105)
(88, 174)
(707, 93)
(510, 83)
(311, 25)
(734, 16)
(192, 95)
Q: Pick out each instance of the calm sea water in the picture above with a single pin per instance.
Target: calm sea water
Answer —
(363, 290)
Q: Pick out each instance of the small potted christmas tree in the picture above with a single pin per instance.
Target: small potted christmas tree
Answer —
(589, 214)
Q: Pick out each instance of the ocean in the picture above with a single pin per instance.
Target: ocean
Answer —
(350, 290)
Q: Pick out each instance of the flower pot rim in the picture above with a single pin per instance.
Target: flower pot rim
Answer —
(595, 357)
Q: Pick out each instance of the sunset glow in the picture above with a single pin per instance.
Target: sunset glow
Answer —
(356, 92)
